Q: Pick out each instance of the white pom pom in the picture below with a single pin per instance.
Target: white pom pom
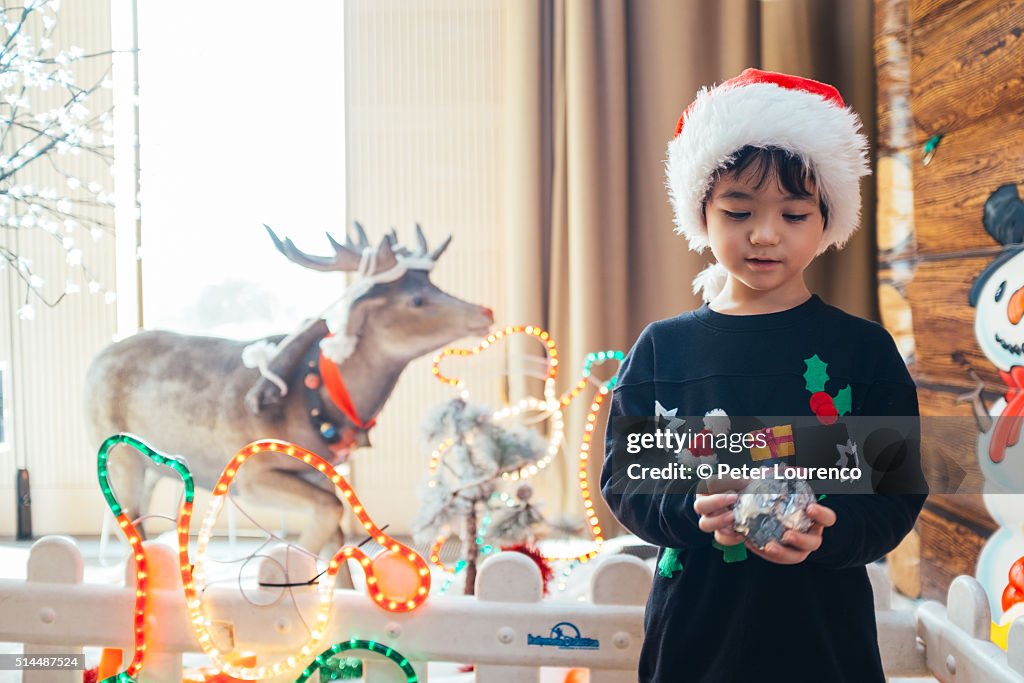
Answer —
(717, 421)
(687, 458)
(339, 347)
(258, 355)
(710, 281)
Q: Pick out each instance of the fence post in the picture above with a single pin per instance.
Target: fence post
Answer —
(897, 633)
(1015, 646)
(164, 575)
(881, 586)
(53, 559)
(621, 580)
(507, 577)
(956, 638)
(968, 608)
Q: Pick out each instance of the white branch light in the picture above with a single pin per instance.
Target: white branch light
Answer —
(46, 120)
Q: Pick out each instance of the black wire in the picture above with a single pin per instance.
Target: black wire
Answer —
(315, 578)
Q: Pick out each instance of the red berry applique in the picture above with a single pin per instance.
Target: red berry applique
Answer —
(825, 407)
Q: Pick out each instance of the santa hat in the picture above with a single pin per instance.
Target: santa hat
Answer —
(766, 109)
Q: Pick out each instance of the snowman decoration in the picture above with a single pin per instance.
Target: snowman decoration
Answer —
(997, 296)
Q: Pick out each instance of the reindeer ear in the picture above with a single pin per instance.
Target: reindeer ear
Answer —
(357, 316)
(385, 256)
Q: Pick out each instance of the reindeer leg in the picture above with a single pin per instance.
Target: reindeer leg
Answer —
(337, 537)
(289, 489)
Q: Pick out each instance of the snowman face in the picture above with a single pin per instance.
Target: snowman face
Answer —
(997, 321)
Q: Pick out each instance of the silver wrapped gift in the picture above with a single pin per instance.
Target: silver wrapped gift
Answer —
(770, 506)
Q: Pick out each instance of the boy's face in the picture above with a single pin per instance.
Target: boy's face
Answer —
(764, 237)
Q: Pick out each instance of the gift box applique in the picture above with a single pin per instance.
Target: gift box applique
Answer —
(779, 443)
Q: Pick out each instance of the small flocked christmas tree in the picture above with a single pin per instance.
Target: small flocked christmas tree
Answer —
(464, 487)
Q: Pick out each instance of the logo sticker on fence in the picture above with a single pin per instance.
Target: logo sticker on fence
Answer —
(565, 636)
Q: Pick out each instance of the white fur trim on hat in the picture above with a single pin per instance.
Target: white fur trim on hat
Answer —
(723, 120)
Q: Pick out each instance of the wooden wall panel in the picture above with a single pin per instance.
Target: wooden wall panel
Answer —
(944, 325)
(949, 446)
(976, 71)
(920, 12)
(969, 164)
(949, 67)
(949, 548)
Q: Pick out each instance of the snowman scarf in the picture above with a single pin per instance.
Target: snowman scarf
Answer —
(1008, 426)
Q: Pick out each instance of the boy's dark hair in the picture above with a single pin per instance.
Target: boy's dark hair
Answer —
(793, 175)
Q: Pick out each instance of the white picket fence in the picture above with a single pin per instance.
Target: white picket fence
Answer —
(54, 612)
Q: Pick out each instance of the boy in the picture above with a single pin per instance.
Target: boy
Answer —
(765, 170)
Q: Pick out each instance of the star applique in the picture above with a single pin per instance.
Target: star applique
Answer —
(669, 415)
(845, 451)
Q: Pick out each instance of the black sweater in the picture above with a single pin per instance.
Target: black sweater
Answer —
(754, 620)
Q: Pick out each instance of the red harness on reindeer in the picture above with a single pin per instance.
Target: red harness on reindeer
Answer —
(322, 371)
(331, 375)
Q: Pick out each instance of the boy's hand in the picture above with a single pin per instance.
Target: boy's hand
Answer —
(716, 516)
(715, 508)
(796, 545)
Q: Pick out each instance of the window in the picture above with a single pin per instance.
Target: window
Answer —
(241, 123)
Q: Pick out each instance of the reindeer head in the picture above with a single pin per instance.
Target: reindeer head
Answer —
(405, 315)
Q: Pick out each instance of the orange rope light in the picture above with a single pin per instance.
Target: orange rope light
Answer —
(379, 570)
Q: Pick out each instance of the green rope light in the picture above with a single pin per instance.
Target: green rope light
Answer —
(135, 539)
(119, 678)
(321, 662)
(600, 357)
(159, 458)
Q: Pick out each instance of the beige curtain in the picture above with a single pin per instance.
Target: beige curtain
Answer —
(593, 91)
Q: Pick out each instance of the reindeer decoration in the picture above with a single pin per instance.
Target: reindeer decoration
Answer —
(320, 387)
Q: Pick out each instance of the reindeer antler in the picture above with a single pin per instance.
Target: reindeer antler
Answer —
(398, 249)
(424, 249)
(338, 246)
(363, 243)
(347, 256)
(436, 254)
(344, 259)
(421, 241)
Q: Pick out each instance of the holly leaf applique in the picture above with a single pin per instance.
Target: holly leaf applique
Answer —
(842, 400)
(731, 553)
(816, 374)
(669, 563)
